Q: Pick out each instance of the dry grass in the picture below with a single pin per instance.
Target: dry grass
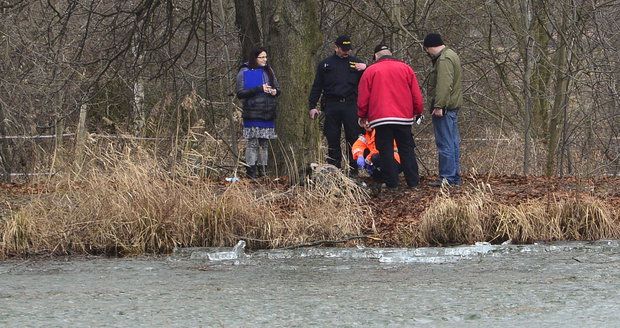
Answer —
(512, 223)
(451, 220)
(586, 219)
(125, 203)
(478, 217)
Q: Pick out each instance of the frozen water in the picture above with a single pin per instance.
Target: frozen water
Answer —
(481, 285)
(391, 255)
(210, 254)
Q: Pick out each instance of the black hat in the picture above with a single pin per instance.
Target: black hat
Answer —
(381, 47)
(432, 40)
(343, 42)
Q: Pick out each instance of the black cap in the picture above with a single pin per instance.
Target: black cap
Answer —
(381, 47)
(343, 42)
(432, 40)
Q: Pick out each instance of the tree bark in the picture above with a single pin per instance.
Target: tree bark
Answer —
(527, 76)
(232, 129)
(541, 74)
(247, 23)
(138, 115)
(292, 37)
(560, 101)
(81, 135)
(560, 104)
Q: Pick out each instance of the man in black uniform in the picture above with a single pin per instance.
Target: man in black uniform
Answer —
(336, 78)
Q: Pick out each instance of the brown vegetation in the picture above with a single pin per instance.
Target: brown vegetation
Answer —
(124, 203)
(479, 217)
(506, 208)
(130, 205)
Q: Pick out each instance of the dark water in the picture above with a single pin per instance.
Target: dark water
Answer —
(563, 285)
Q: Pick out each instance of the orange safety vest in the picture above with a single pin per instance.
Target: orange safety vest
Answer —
(367, 141)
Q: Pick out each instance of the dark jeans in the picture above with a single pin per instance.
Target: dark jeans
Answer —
(377, 172)
(448, 144)
(337, 115)
(385, 136)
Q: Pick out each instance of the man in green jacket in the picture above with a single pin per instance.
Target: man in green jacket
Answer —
(445, 99)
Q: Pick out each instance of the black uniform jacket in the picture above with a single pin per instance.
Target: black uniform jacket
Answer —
(337, 79)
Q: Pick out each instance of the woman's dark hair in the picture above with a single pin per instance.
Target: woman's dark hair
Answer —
(253, 62)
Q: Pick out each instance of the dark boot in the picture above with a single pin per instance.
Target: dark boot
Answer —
(262, 171)
(250, 171)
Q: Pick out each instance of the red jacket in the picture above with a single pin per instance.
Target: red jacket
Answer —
(388, 93)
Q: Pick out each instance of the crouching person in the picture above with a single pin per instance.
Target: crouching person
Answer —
(367, 156)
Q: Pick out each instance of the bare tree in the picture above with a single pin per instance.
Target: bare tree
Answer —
(292, 36)
(545, 71)
(247, 23)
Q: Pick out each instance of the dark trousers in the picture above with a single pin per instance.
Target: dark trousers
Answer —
(385, 136)
(377, 172)
(338, 115)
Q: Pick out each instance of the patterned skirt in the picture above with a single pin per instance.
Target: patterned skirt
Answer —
(259, 133)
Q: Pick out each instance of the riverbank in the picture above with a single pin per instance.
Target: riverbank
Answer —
(131, 209)
(498, 208)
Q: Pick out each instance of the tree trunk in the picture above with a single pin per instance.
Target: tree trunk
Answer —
(527, 76)
(541, 73)
(137, 106)
(560, 105)
(81, 135)
(292, 37)
(555, 117)
(232, 128)
(540, 87)
(247, 23)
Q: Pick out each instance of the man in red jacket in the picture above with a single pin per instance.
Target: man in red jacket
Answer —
(389, 99)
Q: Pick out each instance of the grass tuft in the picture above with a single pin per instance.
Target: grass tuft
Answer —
(453, 220)
(478, 217)
(586, 219)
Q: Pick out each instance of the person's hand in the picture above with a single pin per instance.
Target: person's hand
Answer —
(314, 113)
(438, 112)
(273, 91)
(361, 162)
(266, 88)
(363, 122)
(360, 66)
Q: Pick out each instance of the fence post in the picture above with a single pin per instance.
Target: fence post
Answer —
(80, 135)
(5, 148)
(59, 128)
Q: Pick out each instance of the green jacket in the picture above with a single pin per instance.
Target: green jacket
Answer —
(444, 87)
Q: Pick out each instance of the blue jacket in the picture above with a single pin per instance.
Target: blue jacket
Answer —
(256, 104)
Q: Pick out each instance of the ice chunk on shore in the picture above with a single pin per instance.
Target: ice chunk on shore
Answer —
(237, 252)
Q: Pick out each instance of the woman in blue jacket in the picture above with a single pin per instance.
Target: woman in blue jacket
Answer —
(257, 88)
